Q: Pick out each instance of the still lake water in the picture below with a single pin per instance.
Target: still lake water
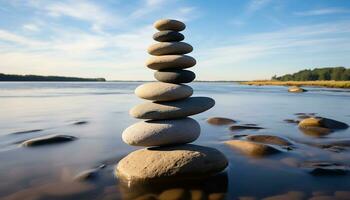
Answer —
(47, 172)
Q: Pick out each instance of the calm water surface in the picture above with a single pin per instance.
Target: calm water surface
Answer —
(47, 172)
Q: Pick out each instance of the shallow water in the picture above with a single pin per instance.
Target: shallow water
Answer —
(47, 172)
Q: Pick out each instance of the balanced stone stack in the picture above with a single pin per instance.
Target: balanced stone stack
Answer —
(167, 129)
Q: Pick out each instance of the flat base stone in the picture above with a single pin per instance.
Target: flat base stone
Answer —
(162, 163)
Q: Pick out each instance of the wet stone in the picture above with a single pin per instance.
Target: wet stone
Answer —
(220, 121)
(252, 148)
(269, 139)
(162, 163)
(81, 123)
(243, 127)
(324, 168)
(46, 140)
(27, 131)
(296, 89)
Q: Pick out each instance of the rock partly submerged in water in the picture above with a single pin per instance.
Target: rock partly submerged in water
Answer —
(220, 121)
(252, 148)
(161, 163)
(319, 126)
(331, 145)
(291, 121)
(296, 89)
(325, 168)
(269, 139)
(27, 131)
(45, 140)
(89, 174)
(80, 123)
(323, 122)
(245, 127)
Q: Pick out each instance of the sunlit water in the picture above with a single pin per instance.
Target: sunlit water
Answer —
(47, 172)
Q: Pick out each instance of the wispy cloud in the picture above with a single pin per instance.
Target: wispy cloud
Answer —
(147, 7)
(84, 10)
(300, 40)
(252, 7)
(323, 11)
(31, 27)
(256, 5)
(18, 39)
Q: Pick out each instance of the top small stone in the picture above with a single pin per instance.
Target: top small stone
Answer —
(169, 24)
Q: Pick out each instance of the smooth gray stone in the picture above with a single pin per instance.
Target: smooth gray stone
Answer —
(164, 163)
(169, 48)
(169, 24)
(49, 139)
(174, 76)
(162, 132)
(158, 91)
(168, 36)
(172, 109)
(170, 62)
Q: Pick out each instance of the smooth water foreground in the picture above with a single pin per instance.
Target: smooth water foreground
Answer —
(47, 172)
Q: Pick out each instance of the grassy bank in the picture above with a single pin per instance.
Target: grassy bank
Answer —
(329, 84)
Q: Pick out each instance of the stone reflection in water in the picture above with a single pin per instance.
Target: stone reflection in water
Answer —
(213, 187)
(315, 131)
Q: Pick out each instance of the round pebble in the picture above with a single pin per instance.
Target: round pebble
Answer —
(168, 36)
(162, 163)
(172, 109)
(169, 24)
(252, 148)
(158, 91)
(174, 76)
(169, 48)
(162, 132)
(170, 61)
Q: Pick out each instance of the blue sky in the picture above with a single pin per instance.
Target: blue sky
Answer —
(232, 39)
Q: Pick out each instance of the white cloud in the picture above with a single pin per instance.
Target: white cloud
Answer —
(248, 12)
(312, 40)
(155, 2)
(323, 11)
(84, 10)
(31, 27)
(147, 7)
(18, 39)
(256, 5)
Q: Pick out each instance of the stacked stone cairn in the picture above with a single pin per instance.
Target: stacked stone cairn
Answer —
(167, 129)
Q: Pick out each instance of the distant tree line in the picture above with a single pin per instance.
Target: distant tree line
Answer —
(329, 73)
(12, 77)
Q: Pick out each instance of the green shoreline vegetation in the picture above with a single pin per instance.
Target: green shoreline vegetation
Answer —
(328, 84)
(331, 77)
(12, 77)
